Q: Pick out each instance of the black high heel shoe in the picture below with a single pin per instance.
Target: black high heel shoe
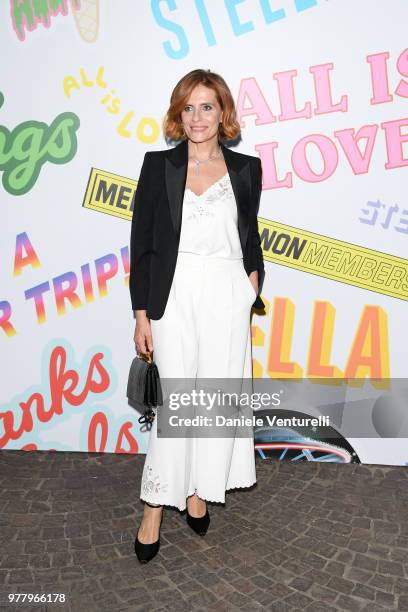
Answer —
(146, 552)
(199, 525)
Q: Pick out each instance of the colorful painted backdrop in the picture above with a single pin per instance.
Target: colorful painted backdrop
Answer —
(321, 89)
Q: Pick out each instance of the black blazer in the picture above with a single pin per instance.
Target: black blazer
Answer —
(156, 222)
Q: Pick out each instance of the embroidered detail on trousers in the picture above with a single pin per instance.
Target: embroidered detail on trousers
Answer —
(151, 482)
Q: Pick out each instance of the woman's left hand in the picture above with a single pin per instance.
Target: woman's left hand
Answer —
(253, 277)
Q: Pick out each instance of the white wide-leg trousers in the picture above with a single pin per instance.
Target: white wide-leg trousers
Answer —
(204, 332)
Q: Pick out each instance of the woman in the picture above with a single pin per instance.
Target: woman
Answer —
(196, 269)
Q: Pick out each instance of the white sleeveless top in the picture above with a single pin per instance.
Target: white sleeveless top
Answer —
(210, 222)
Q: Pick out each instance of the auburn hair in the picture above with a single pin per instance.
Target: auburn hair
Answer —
(172, 125)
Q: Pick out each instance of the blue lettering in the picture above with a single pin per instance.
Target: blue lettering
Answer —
(205, 22)
(237, 27)
(172, 27)
(302, 5)
(270, 15)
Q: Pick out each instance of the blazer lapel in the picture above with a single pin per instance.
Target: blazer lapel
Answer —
(176, 176)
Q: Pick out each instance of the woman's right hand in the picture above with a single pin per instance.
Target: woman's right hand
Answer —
(143, 333)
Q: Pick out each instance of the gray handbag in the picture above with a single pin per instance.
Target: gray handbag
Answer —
(144, 386)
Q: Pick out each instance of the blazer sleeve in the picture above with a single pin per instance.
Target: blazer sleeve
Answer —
(141, 238)
(257, 261)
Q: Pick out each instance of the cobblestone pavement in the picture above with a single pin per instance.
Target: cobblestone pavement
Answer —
(313, 536)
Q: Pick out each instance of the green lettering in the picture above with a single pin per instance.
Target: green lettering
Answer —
(32, 143)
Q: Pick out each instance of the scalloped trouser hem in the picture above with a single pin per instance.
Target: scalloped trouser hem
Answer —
(205, 497)
(209, 305)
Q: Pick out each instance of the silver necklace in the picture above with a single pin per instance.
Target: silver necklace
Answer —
(198, 162)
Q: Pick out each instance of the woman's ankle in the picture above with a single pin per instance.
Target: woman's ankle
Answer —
(195, 504)
(195, 497)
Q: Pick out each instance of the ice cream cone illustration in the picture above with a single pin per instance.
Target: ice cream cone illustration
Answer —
(86, 18)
